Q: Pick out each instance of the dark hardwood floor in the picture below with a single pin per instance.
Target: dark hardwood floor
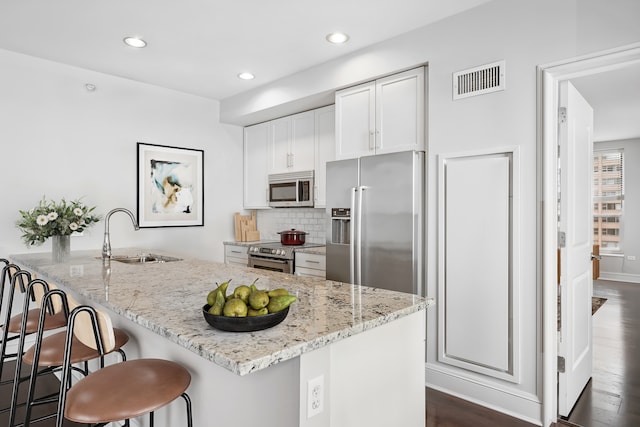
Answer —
(612, 397)
(46, 384)
(444, 410)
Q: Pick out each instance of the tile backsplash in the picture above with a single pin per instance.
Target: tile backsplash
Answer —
(311, 220)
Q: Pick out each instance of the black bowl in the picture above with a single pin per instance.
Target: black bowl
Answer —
(243, 324)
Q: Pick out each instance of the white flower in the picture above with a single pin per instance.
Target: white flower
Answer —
(78, 211)
(52, 216)
(73, 226)
(42, 220)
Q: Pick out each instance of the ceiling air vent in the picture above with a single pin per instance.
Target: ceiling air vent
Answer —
(479, 80)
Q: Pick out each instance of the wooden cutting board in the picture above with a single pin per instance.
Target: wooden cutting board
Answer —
(246, 227)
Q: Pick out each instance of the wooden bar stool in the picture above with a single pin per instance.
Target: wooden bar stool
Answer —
(26, 323)
(47, 310)
(6, 304)
(120, 391)
(47, 354)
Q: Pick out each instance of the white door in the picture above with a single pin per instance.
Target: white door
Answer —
(576, 222)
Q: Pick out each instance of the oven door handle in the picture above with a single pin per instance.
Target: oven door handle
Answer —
(277, 261)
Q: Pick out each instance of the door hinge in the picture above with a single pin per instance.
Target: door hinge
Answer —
(561, 364)
(562, 239)
(562, 114)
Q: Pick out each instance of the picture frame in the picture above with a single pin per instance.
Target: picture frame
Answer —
(170, 183)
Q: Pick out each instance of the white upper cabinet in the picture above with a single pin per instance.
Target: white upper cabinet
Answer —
(301, 142)
(400, 113)
(291, 143)
(279, 145)
(256, 186)
(355, 121)
(384, 116)
(325, 147)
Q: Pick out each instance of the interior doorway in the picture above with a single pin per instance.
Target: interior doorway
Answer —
(550, 78)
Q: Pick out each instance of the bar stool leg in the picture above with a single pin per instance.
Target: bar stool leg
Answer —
(9, 271)
(187, 400)
(17, 377)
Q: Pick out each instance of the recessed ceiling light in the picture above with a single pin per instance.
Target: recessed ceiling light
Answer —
(337, 38)
(134, 42)
(246, 76)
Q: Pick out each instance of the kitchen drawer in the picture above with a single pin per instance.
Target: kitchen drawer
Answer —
(310, 272)
(236, 255)
(308, 263)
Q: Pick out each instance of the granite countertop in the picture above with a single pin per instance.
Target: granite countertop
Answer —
(233, 242)
(317, 250)
(167, 298)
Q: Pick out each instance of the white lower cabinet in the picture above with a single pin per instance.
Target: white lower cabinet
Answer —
(310, 265)
(236, 254)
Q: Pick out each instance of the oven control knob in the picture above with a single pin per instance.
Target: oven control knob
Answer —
(273, 251)
(280, 251)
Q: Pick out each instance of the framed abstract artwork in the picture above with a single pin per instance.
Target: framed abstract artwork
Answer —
(170, 186)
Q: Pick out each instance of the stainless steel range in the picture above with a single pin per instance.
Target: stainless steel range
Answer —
(275, 256)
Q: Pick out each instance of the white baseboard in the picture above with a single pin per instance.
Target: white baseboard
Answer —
(619, 277)
(521, 406)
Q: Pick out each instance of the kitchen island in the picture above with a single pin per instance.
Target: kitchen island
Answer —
(364, 346)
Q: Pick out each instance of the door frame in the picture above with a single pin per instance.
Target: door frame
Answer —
(548, 78)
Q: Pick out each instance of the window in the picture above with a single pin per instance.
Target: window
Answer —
(608, 198)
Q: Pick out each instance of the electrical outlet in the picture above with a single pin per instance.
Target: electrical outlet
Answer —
(631, 257)
(315, 396)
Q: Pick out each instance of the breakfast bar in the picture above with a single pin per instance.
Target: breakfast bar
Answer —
(359, 350)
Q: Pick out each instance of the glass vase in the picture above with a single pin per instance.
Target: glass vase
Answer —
(60, 248)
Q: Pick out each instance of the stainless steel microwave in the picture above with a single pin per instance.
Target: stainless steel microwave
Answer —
(289, 190)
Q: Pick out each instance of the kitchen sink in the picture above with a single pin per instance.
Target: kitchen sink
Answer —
(144, 259)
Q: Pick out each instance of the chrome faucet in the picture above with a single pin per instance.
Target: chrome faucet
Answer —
(106, 245)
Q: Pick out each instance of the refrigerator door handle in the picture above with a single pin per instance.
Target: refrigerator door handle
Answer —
(352, 232)
(358, 241)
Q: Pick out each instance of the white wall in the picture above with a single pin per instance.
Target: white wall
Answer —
(622, 268)
(525, 34)
(59, 140)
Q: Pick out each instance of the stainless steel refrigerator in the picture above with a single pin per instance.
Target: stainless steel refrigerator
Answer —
(376, 214)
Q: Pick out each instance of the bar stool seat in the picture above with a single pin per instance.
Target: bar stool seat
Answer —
(125, 390)
(55, 321)
(52, 349)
